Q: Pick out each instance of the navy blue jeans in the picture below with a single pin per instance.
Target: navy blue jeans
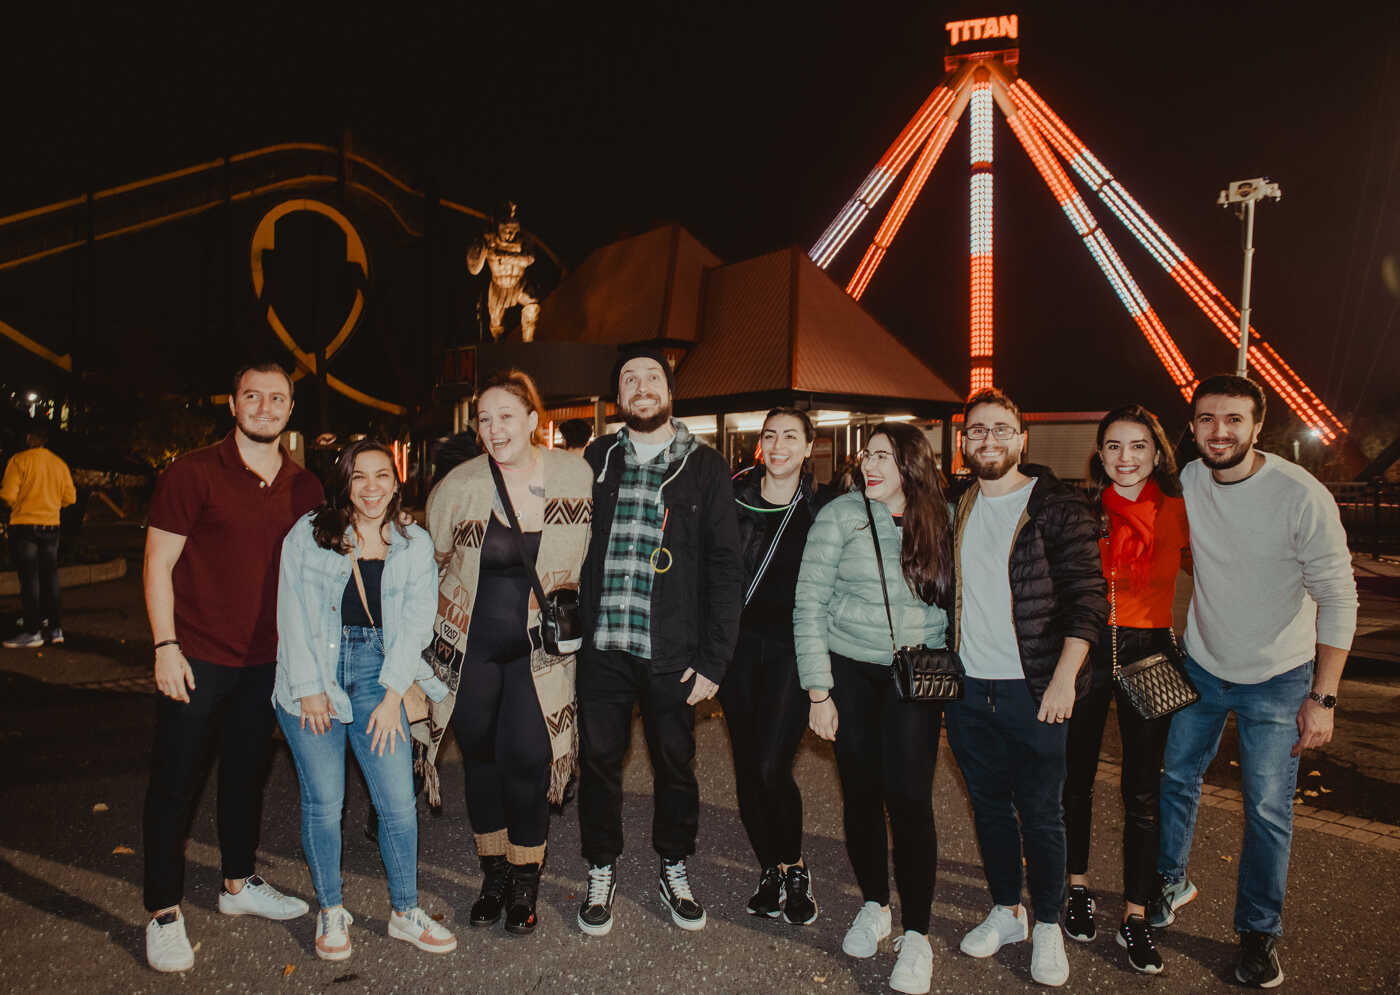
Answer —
(1013, 765)
(1266, 717)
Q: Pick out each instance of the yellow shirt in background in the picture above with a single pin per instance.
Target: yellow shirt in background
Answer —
(36, 486)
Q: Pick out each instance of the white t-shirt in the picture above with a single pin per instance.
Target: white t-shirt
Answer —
(987, 635)
(1272, 571)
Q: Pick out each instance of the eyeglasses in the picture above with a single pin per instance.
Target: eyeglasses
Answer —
(881, 456)
(1001, 432)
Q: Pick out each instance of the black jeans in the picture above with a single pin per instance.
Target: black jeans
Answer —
(505, 750)
(1144, 744)
(766, 711)
(34, 551)
(886, 751)
(233, 704)
(609, 684)
(1014, 766)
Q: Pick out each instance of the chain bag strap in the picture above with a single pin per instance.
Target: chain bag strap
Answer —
(919, 673)
(1156, 685)
(561, 629)
(415, 701)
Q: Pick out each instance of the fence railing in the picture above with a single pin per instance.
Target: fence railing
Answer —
(1370, 514)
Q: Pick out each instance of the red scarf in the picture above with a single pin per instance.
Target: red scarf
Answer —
(1130, 531)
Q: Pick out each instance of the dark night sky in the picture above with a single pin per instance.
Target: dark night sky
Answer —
(752, 123)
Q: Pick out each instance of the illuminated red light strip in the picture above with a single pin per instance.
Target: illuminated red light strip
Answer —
(1216, 307)
(981, 378)
(980, 187)
(899, 210)
(1103, 253)
(896, 157)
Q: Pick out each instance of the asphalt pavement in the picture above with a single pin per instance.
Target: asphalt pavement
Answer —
(75, 729)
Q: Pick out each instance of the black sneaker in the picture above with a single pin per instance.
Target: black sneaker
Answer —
(595, 915)
(675, 892)
(1079, 914)
(1171, 896)
(1135, 936)
(1258, 965)
(767, 900)
(800, 908)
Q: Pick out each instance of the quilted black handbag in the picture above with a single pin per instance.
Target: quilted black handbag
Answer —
(1157, 685)
(920, 673)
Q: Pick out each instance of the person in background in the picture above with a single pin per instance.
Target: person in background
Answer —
(576, 432)
(213, 544)
(886, 749)
(512, 703)
(37, 487)
(764, 705)
(1143, 545)
(1271, 621)
(355, 603)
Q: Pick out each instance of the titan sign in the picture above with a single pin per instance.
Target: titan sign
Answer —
(980, 28)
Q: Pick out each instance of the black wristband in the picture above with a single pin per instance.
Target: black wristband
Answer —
(167, 642)
(821, 701)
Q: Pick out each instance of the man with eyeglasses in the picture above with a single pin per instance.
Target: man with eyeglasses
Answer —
(1030, 601)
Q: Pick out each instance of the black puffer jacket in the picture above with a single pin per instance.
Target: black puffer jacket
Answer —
(1057, 585)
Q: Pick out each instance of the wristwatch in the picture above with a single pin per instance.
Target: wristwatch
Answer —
(1325, 700)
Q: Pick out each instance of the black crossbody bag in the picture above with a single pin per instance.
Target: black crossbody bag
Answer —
(1157, 685)
(561, 628)
(919, 672)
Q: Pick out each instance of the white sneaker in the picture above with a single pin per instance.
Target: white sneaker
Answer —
(1002, 926)
(333, 933)
(422, 930)
(167, 946)
(913, 970)
(258, 898)
(870, 926)
(1049, 966)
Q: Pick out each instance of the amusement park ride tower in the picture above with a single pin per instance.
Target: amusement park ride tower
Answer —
(981, 60)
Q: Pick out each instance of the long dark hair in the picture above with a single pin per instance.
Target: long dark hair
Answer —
(333, 517)
(1163, 471)
(927, 553)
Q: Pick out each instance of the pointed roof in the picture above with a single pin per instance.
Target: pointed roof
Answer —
(778, 322)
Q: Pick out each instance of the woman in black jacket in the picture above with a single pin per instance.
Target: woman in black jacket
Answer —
(764, 705)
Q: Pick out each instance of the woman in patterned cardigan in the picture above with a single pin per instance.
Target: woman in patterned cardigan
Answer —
(511, 704)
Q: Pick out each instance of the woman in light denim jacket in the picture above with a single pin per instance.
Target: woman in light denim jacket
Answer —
(356, 598)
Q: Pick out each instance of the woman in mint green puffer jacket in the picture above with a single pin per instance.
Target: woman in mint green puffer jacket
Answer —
(886, 749)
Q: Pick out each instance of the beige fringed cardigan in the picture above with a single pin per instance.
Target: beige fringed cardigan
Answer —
(459, 510)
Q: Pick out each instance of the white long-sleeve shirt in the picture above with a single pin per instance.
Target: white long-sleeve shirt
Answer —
(1273, 575)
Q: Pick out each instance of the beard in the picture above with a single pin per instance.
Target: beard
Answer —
(1229, 461)
(995, 470)
(650, 423)
(261, 437)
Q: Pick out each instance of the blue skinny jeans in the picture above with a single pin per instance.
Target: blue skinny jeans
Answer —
(320, 765)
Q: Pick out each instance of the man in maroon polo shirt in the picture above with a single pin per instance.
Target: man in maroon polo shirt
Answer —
(212, 552)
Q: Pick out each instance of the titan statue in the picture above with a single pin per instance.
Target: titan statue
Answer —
(504, 252)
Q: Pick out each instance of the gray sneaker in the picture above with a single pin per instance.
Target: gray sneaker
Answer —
(1173, 895)
(24, 641)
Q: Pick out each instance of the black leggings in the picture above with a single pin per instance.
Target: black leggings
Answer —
(886, 750)
(505, 750)
(766, 711)
(1144, 743)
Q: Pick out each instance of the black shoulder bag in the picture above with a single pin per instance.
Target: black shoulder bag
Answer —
(1157, 685)
(561, 629)
(920, 673)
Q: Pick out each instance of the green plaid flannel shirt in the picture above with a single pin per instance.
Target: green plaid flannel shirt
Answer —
(624, 607)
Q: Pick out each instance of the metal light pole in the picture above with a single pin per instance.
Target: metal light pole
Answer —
(1247, 193)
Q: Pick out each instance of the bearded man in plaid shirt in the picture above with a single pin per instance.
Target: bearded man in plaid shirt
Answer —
(661, 598)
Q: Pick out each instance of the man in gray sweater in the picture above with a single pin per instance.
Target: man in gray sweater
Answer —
(1270, 625)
